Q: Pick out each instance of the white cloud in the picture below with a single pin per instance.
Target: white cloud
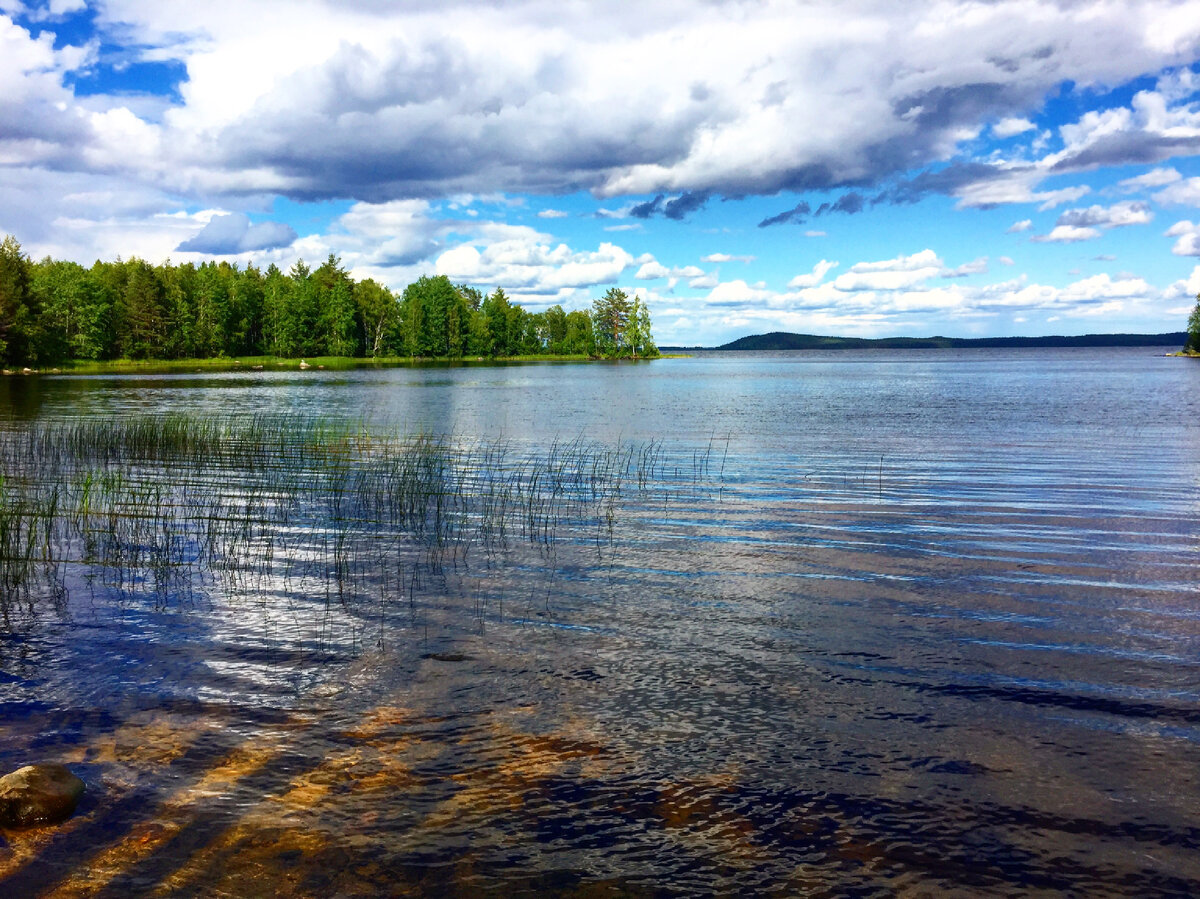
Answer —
(1104, 287)
(523, 263)
(920, 308)
(891, 274)
(1116, 216)
(1184, 289)
(377, 101)
(233, 234)
(1181, 193)
(974, 267)
(725, 257)
(1067, 234)
(651, 270)
(391, 107)
(1188, 243)
(1006, 260)
(738, 290)
(1159, 177)
(1011, 127)
(813, 278)
(1011, 184)
(1017, 227)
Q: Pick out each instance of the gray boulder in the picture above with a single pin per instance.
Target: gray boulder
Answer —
(38, 794)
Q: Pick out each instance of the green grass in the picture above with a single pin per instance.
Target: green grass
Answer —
(276, 363)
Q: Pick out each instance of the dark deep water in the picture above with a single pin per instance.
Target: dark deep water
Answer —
(874, 623)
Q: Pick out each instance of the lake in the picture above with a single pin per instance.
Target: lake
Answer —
(834, 623)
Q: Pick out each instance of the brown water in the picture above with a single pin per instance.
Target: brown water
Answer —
(914, 623)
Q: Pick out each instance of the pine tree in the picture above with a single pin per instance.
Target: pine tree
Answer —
(610, 318)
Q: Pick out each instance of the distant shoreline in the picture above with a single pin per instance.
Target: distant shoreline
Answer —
(783, 340)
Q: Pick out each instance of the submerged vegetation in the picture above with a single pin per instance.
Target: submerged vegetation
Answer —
(268, 506)
(53, 311)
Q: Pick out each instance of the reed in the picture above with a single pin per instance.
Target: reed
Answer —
(260, 505)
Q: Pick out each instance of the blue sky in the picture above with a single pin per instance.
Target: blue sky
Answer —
(855, 168)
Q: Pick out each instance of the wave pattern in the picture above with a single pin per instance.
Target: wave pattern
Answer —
(765, 671)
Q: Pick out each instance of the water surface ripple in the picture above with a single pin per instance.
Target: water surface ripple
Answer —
(838, 624)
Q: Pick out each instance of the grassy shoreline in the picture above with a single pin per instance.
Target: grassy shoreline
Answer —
(276, 363)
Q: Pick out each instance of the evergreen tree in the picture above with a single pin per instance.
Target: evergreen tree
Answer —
(495, 311)
(212, 310)
(18, 312)
(274, 306)
(341, 327)
(179, 305)
(141, 313)
(246, 307)
(54, 310)
(297, 334)
(610, 318)
(1193, 344)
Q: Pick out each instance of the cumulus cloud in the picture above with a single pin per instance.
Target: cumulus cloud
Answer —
(1012, 126)
(1067, 234)
(1180, 193)
(377, 102)
(1017, 227)
(1184, 289)
(825, 308)
(1188, 243)
(229, 235)
(652, 270)
(1116, 216)
(891, 274)
(522, 262)
(813, 278)
(1154, 178)
(737, 292)
(974, 267)
(388, 108)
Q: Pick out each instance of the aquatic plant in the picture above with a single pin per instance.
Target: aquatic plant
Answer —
(164, 504)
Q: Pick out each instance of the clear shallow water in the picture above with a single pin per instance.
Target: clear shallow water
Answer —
(913, 622)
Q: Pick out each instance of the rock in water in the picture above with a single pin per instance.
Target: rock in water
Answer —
(38, 794)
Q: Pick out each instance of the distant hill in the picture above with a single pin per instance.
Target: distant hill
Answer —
(783, 340)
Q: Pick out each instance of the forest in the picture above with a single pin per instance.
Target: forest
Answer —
(54, 311)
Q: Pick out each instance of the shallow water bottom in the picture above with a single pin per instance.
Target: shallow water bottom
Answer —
(839, 688)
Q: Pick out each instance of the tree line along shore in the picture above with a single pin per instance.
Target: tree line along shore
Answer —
(54, 312)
